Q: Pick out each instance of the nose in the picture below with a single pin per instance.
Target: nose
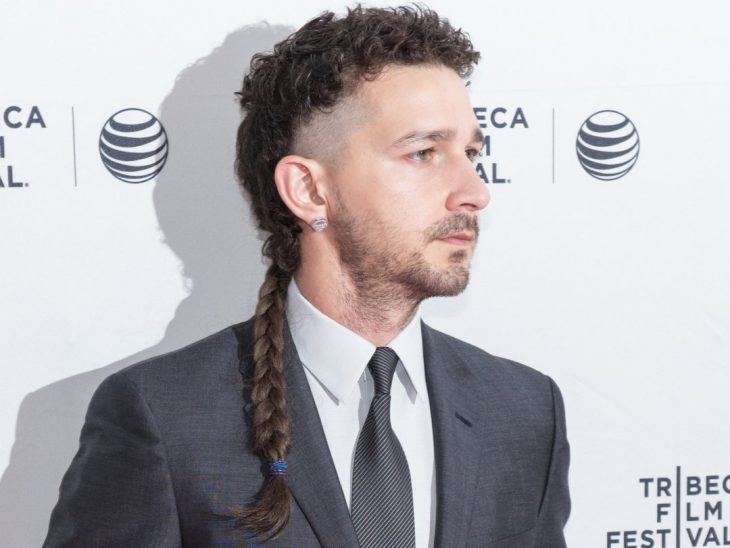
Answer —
(469, 191)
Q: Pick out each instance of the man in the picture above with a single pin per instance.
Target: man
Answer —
(335, 417)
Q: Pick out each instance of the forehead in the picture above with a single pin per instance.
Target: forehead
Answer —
(417, 97)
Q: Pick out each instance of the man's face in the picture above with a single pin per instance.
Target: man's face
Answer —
(407, 197)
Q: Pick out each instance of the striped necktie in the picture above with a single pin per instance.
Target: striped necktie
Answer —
(382, 498)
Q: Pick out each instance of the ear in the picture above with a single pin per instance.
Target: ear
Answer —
(300, 182)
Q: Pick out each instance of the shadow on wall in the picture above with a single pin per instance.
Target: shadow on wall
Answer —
(206, 222)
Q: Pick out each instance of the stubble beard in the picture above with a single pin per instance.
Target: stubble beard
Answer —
(384, 277)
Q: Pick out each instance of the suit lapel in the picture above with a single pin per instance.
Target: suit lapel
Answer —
(457, 413)
(312, 477)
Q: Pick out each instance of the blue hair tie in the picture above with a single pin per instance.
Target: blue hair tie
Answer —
(278, 467)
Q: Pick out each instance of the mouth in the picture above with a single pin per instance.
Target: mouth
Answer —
(463, 239)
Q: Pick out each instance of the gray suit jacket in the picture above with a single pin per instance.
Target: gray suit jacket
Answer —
(165, 453)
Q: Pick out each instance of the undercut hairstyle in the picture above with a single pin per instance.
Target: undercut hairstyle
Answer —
(307, 75)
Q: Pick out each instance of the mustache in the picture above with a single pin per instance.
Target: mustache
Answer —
(455, 223)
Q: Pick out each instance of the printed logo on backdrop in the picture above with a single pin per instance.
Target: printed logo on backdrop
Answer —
(607, 145)
(498, 118)
(16, 118)
(682, 511)
(133, 145)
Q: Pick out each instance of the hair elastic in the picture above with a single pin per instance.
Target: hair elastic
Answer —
(278, 467)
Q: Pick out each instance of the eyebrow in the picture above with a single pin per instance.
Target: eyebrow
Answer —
(434, 136)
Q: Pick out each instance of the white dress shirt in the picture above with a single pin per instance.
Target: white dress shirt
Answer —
(335, 363)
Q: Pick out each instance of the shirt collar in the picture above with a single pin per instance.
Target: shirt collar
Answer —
(337, 357)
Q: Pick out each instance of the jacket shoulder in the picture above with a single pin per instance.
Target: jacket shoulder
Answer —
(486, 366)
(213, 359)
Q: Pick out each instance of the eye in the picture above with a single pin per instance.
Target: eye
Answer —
(421, 155)
(473, 154)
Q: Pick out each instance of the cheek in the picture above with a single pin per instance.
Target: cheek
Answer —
(392, 195)
(356, 181)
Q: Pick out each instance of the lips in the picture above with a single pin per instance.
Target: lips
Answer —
(459, 238)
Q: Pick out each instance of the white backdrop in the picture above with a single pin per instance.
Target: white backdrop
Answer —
(618, 289)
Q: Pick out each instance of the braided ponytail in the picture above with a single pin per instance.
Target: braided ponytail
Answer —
(270, 422)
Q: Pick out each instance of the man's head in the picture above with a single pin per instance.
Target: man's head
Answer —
(326, 100)
(363, 120)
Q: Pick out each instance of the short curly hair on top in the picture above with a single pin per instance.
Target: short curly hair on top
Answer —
(310, 72)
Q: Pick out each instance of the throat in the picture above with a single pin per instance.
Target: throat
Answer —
(376, 315)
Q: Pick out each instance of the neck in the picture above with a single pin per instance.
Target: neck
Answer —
(374, 309)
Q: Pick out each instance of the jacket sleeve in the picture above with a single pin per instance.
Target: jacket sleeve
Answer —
(555, 506)
(118, 490)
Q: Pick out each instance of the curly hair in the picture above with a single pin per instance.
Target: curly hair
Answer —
(306, 75)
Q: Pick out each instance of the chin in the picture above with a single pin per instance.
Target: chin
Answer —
(441, 282)
(454, 283)
(422, 279)
(455, 276)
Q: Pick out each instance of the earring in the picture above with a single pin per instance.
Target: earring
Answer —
(319, 224)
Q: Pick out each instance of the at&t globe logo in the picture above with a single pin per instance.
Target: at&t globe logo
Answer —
(607, 145)
(133, 145)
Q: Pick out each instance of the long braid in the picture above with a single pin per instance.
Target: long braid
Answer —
(268, 397)
(270, 512)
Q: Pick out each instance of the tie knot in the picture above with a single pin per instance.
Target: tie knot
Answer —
(382, 366)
